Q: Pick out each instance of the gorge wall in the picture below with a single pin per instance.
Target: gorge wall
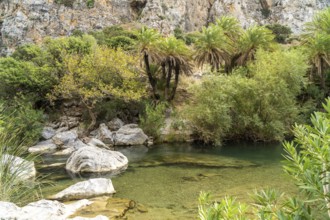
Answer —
(26, 21)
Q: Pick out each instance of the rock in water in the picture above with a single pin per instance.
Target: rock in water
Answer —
(86, 189)
(105, 135)
(130, 134)
(21, 168)
(96, 160)
(65, 138)
(43, 209)
(43, 147)
(93, 142)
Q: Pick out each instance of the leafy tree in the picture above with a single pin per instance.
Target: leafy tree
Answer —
(104, 73)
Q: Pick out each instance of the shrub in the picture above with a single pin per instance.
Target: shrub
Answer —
(281, 32)
(24, 77)
(153, 119)
(18, 118)
(259, 107)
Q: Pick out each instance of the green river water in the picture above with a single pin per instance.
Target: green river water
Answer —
(167, 179)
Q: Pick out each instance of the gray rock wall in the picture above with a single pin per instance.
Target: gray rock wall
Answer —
(26, 21)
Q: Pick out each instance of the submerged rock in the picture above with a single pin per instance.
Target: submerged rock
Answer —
(207, 161)
(22, 169)
(86, 189)
(43, 209)
(96, 160)
(130, 134)
(47, 146)
(99, 217)
(114, 208)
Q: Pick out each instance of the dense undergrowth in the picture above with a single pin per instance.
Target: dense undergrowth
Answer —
(253, 88)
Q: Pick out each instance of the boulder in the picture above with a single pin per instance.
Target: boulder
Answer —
(43, 209)
(47, 146)
(65, 138)
(77, 144)
(105, 135)
(47, 133)
(93, 142)
(130, 134)
(115, 124)
(86, 189)
(21, 168)
(96, 160)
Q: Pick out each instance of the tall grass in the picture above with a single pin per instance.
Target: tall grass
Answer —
(16, 184)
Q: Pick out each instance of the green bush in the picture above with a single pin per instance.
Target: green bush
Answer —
(123, 42)
(260, 108)
(19, 126)
(115, 36)
(153, 119)
(281, 32)
(24, 77)
(19, 120)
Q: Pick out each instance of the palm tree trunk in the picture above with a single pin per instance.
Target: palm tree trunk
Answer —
(152, 81)
(176, 81)
(168, 80)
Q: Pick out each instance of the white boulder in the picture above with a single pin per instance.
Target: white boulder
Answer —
(96, 160)
(86, 189)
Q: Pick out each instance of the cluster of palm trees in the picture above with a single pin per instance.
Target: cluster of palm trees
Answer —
(317, 42)
(223, 46)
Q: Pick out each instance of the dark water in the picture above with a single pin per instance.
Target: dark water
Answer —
(167, 179)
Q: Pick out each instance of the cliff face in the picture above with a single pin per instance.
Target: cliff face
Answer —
(24, 21)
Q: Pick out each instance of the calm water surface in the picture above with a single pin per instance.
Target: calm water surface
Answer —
(167, 179)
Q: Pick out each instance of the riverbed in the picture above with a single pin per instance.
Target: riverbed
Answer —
(166, 179)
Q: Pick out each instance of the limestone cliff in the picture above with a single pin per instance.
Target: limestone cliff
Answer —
(24, 21)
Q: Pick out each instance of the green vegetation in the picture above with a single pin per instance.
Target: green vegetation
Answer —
(307, 162)
(255, 88)
(259, 107)
(17, 128)
(104, 73)
(153, 119)
(225, 44)
(69, 3)
(282, 33)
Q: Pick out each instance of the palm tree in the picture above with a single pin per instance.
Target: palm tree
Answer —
(230, 27)
(211, 47)
(176, 58)
(148, 46)
(320, 23)
(252, 39)
(317, 43)
(318, 48)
